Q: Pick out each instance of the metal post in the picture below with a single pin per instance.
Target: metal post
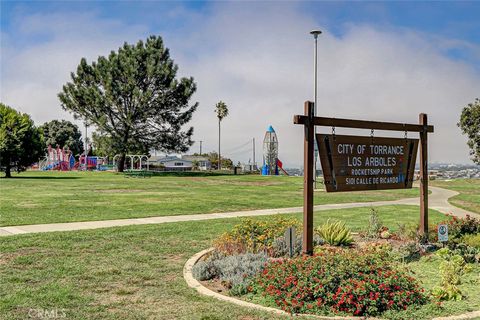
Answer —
(253, 166)
(86, 148)
(315, 34)
(423, 177)
(308, 164)
(219, 157)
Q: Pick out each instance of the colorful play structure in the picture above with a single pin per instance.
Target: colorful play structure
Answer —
(271, 163)
(62, 159)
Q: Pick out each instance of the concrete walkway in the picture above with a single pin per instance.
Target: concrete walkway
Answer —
(437, 200)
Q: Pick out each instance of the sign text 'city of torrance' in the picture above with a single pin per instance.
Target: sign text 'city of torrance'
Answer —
(354, 163)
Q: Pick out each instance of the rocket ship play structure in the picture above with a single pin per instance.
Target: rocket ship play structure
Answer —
(271, 163)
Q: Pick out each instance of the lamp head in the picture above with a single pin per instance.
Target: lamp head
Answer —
(315, 33)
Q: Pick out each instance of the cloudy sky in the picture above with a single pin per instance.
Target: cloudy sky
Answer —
(377, 61)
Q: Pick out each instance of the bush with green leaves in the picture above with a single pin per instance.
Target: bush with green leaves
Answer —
(452, 268)
(254, 235)
(471, 240)
(458, 227)
(468, 253)
(335, 233)
(235, 272)
(20, 141)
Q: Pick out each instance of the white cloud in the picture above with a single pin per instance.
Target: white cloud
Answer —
(258, 59)
(33, 75)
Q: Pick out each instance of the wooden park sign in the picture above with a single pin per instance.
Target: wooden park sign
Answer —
(353, 163)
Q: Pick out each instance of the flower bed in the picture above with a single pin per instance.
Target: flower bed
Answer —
(367, 274)
(358, 282)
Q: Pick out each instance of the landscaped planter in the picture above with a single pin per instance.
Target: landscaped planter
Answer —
(365, 279)
(197, 285)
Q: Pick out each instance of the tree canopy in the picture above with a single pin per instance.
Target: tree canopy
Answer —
(103, 146)
(470, 125)
(134, 97)
(20, 141)
(213, 158)
(64, 134)
(221, 109)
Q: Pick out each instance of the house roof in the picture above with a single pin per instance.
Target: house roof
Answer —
(194, 158)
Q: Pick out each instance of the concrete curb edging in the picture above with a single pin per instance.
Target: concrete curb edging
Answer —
(195, 284)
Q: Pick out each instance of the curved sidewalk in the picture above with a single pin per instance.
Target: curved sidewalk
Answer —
(438, 200)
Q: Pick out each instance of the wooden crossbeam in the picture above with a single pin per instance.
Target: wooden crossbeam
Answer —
(362, 124)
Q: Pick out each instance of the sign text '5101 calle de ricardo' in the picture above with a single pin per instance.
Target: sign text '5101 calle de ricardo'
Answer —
(353, 163)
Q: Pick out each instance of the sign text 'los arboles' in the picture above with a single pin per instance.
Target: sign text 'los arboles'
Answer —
(354, 163)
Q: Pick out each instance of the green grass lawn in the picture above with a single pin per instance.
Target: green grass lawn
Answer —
(469, 197)
(49, 197)
(135, 272)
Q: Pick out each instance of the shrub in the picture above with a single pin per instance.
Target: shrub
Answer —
(358, 282)
(471, 240)
(457, 227)
(468, 253)
(235, 272)
(411, 231)
(204, 270)
(451, 269)
(374, 224)
(254, 235)
(207, 269)
(335, 233)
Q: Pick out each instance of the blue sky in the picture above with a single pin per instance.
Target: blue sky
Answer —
(382, 60)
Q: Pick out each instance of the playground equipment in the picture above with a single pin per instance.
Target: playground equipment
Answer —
(63, 160)
(57, 159)
(92, 163)
(134, 161)
(271, 163)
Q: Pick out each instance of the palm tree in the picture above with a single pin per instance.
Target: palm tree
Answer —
(221, 110)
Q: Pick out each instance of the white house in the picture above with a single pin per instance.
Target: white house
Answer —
(182, 163)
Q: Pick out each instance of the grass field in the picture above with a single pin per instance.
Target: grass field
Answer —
(136, 272)
(469, 197)
(48, 197)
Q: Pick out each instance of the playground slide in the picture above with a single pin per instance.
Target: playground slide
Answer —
(283, 170)
(280, 166)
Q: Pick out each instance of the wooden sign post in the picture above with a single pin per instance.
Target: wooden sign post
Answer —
(423, 175)
(352, 163)
(308, 164)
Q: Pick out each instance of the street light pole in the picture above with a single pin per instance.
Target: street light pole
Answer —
(86, 147)
(315, 34)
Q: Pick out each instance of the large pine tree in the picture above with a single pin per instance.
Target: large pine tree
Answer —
(134, 97)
